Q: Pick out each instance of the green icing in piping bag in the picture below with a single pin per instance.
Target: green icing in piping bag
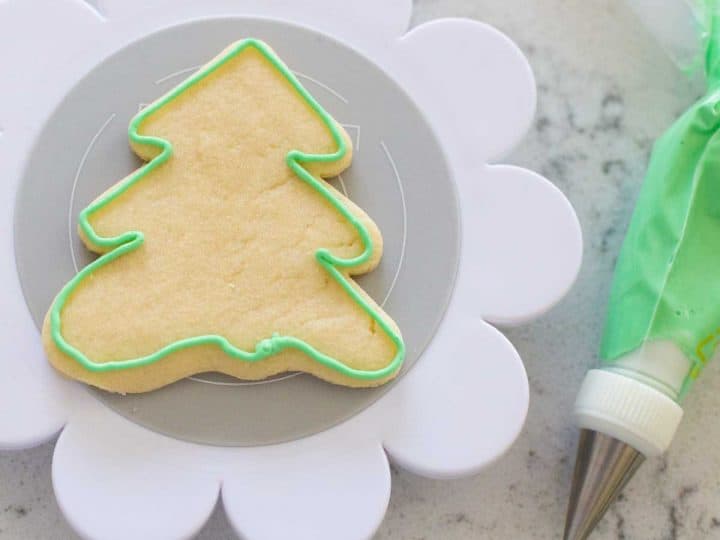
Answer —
(667, 279)
(664, 315)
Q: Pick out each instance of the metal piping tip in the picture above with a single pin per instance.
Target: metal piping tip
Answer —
(602, 468)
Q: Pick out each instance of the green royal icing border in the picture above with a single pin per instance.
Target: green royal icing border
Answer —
(131, 240)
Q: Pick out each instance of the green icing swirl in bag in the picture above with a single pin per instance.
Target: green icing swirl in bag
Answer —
(667, 279)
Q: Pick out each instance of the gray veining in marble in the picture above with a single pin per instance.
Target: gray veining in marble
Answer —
(605, 92)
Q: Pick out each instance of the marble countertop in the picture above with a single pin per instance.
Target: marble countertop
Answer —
(605, 91)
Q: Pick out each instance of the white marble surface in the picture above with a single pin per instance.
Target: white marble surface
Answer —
(605, 92)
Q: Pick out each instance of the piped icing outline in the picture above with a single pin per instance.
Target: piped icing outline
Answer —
(131, 240)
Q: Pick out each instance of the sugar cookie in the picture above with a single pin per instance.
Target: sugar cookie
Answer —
(227, 251)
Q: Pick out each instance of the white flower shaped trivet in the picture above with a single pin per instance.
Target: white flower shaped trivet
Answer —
(467, 244)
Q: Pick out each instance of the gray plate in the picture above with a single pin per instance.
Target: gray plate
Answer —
(399, 175)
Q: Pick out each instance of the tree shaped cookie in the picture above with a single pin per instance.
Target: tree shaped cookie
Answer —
(227, 251)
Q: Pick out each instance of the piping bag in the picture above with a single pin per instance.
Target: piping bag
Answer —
(663, 321)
